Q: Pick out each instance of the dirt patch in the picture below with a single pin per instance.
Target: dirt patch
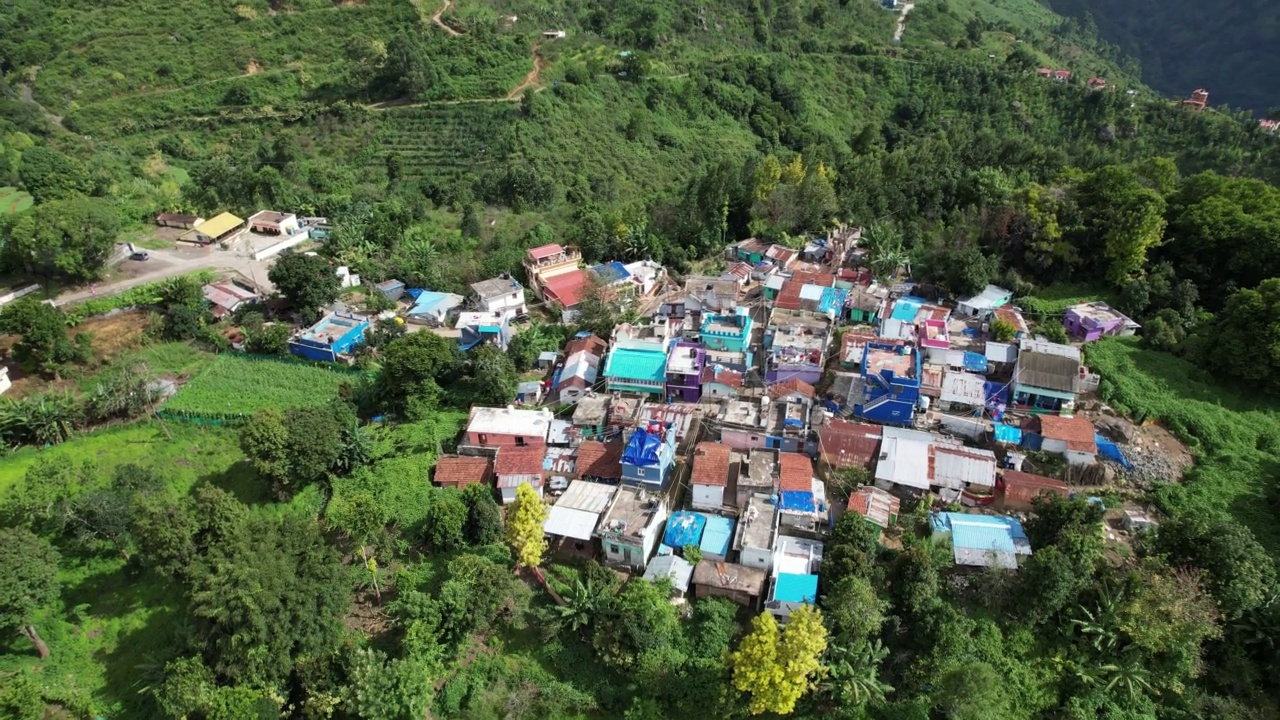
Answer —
(253, 68)
(530, 80)
(113, 334)
(366, 615)
(1154, 453)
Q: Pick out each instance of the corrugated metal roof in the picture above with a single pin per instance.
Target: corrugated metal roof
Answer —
(636, 364)
(674, 568)
(964, 388)
(588, 496)
(216, 226)
(904, 457)
(717, 536)
(957, 467)
(1048, 365)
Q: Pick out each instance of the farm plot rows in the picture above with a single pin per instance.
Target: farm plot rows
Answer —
(236, 386)
(446, 141)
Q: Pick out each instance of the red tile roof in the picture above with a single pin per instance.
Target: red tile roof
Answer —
(795, 472)
(1076, 431)
(602, 460)
(519, 461)
(1025, 486)
(545, 251)
(846, 444)
(792, 385)
(592, 344)
(710, 464)
(566, 289)
(462, 470)
(731, 378)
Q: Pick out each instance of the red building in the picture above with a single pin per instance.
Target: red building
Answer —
(507, 427)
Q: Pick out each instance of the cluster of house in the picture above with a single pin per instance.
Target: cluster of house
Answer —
(278, 231)
(1062, 76)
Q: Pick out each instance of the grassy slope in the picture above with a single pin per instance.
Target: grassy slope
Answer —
(1234, 433)
(238, 384)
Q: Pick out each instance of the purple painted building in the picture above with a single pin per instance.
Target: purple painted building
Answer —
(1087, 322)
(684, 371)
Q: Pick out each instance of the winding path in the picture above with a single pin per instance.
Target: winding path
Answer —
(444, 7)
(902, 20)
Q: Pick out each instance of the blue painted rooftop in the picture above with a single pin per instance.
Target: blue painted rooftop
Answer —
(832, 300)
(906, 307)
(717, 535)
(626, 363)
(611, 272)
(796, 588)
(797, 500)
(427, 302)
(980, 532)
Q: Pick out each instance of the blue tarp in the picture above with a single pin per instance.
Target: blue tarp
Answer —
(643, 449)
(415, 292)
(832, 300)
(611, 272)
(797, 500)
(975, 361)
(1008, 434)
(1109, 449)
(684, 528)
(1032, 441)
(997, 394)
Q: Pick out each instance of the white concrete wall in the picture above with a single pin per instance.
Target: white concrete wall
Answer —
(273, 250)
(743, 439)
(708, 497)
(760, 558)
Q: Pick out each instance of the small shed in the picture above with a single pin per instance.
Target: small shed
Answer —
(1021, 489)
(716, 538)
(392, 289)
(529, 392)
(178, 220)
(671, 567)
(738, 583)
(547, 360)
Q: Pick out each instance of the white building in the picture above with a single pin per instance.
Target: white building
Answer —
(500, 295)
(756, 532)
(710, 475)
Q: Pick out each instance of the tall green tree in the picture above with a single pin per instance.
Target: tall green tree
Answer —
(44, 346)
(64, 239)
(28, 583)
(306, 281)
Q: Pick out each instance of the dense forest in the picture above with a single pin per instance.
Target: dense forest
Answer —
(1228, 48)
(296, 564)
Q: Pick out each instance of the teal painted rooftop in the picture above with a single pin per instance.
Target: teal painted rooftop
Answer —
(636, 364)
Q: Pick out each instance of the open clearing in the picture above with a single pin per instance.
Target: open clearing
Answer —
(237, 385)
(13, 200)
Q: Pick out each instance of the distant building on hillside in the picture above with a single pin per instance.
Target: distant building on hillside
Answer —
(1198, 100)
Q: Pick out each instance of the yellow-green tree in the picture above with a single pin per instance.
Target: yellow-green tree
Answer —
(524, 526)
(776, 668)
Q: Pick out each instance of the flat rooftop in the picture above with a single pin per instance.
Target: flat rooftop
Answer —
(685, 360)
(330, 328)
(633, 510)
(755, 530)
(759, 470)
(743, 412)
(797, 556)
(901, 364)
(510, 421)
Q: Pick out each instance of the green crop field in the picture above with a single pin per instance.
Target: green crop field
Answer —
(236, 385)
(13, 200)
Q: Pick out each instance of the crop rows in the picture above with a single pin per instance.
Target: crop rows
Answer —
(237, 385)
(444, 140)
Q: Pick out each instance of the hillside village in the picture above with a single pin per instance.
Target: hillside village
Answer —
(715, 440)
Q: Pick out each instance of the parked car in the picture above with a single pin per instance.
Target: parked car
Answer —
(140, 255)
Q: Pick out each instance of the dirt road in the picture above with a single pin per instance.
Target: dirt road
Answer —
(436, 18)
(171, 263)
(902, 21)
(530, 80)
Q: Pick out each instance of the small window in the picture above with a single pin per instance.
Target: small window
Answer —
(484, 439)
(614, 549)
(520, 442)
(640, 472)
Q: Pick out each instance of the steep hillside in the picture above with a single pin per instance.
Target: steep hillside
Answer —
(1229, 48)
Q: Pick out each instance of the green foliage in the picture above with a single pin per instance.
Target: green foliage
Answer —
(44, 346)
(51, 175)
(490, 378)
(637, 623)
(67, 239)
(443, 529)
(415, 367)
(269, 594)
(295, 448)
(29, 568)
(236, 386)
(1247, 313)
(484, 520)
(308, 282)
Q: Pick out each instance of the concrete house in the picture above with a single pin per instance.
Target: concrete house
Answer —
(637, 366)
(556, 276)
(649, 457)
(1087, 322)
(712, 295)
(802, 498)
(796, 346)
(1047, 375)
(271, 222)
(500, 295)
(754, 539)
(226, 297)
(983, 540)
(630, 530)
(334, 335)
(478, 328)
(684, 371)
(843, 444)
(489, 427)
(178, 220)
(731, 332)
(1071, 437)
(718, 382)
(866, 303)
(710, 476)
(890, 384)
(751, 251)
(758, 475)
(516, 466)
(795, 575)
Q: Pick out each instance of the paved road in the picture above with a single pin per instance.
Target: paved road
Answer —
(170, 263)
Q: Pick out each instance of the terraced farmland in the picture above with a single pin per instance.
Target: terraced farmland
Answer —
(13, 200)
(448, 141)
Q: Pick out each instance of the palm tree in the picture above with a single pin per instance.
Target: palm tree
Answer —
(884, 244)
(580, 606)
(853, 673)
(1100, 624)
(1130, 677)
